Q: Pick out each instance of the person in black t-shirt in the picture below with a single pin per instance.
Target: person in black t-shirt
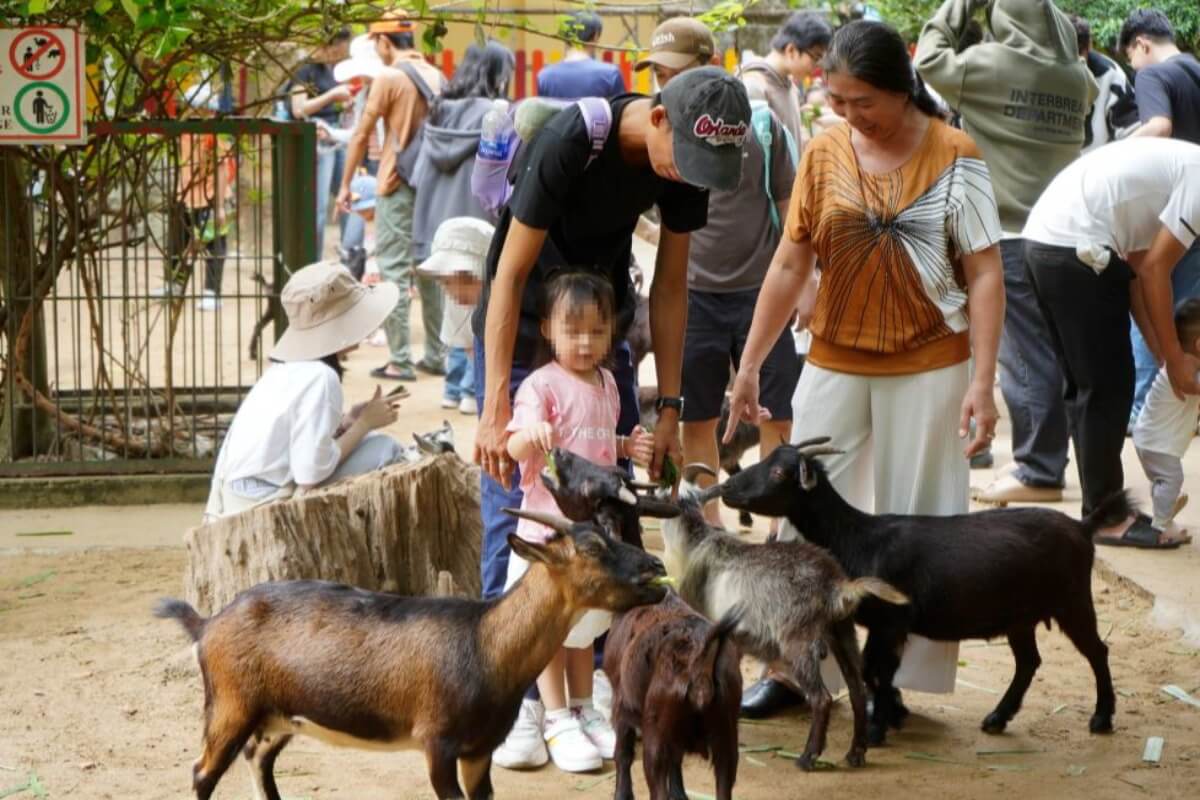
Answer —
(570, 211)
(1167, 88)
(1168, 81)
(315, 94)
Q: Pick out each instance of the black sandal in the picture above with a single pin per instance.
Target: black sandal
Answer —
(1140, 534)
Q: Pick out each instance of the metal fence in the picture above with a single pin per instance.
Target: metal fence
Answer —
(139, 280)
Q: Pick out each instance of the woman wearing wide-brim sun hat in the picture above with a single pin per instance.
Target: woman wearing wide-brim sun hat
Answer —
(290, 432)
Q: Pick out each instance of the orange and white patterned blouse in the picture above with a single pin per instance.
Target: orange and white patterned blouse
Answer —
(892, 298)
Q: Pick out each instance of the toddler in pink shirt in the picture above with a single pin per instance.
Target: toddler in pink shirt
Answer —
(571, 403)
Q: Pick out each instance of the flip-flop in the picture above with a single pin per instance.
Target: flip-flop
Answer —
(382, 372)
(1140, 534)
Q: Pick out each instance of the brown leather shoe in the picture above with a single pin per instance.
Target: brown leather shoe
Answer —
(1007, 489)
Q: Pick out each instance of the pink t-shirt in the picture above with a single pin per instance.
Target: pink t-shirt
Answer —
(584, 418)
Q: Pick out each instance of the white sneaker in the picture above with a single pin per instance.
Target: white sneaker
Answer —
(571, 749)
(209, 301)
(449, 403)
(602, 694)
(467, 405)
(597, 730)
(524, 747)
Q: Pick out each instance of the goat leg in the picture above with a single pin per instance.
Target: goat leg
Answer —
(844, 645)
(260, 754)
(226, 732)
(442, 764)
(1023, 643)
(623, 756)
(477, 775)
(881, 656)
(805, 662)
(1080, 628)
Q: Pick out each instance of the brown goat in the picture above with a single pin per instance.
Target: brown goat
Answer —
(675, 677)
(380, 671)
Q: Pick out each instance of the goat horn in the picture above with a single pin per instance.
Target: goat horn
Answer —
(814, 441)
(642, 486)
(560, 524)
(711, 493)
(690, 471)
(822, 451)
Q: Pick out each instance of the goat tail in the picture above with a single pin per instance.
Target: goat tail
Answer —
(192, 622)
(703, 669)
(1115, 508)
(852, 592)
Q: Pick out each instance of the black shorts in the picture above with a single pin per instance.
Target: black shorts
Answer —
(717, 327)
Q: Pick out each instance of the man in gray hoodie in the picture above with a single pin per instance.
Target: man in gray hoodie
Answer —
(1024, 98)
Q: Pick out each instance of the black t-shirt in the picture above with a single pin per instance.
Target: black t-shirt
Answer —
(589, 213)
(317, 79)
(1172, 89)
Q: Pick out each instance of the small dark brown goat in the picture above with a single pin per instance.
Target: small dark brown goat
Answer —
(676, 678)
(379, 671)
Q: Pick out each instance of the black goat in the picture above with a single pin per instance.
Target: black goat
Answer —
(970, 576)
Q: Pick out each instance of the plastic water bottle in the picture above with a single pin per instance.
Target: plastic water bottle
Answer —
(496, 137)
(489, 179)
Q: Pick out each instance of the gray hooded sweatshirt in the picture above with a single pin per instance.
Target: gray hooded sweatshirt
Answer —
(442, 177)
(1024, 97)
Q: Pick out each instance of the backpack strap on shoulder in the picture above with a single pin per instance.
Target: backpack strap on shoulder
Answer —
(597, 119)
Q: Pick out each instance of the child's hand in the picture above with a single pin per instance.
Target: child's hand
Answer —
(541, 436)
(639, 446)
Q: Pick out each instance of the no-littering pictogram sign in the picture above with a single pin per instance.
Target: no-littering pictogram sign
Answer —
(42, 91)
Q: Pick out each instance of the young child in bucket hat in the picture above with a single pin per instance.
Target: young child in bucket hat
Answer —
(456, 260)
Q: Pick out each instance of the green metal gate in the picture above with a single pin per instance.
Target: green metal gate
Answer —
(113, 357)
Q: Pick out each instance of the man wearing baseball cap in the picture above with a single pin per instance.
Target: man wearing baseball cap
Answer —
(575, 207)
(395, 98)
(727, 263)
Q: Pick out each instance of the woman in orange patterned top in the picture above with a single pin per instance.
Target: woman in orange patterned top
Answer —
(898, 207)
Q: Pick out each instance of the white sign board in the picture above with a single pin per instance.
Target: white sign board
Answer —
(42, 89)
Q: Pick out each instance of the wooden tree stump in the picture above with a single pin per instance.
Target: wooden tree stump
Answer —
(413, 529)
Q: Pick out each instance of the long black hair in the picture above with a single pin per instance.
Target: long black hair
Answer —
(484, 72)
(874, 53)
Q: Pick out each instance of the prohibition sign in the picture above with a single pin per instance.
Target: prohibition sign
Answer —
(52, 127)
(24, 66)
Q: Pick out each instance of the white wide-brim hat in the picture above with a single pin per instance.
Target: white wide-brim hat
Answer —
(363, 62)
(329, 311)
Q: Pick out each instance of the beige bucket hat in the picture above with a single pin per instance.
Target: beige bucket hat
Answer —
(328, 311)
(460, 244)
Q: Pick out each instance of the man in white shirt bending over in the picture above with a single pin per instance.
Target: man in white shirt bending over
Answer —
(1103, 240)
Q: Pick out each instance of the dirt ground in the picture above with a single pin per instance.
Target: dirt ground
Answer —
(98, 700)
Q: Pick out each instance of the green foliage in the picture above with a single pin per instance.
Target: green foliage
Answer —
(726, 15)
(1104, 16)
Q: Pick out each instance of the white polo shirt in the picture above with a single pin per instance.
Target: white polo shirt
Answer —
(1116, 197)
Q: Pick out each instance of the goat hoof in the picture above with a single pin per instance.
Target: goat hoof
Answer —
(856, 758)
(745, 519)
(876, 734)
(993, 723)
(807, 761)
(1100, 723)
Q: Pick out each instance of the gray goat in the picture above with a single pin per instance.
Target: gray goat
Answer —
(797, 606)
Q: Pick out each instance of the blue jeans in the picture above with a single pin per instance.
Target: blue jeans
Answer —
(460, 374)
(1185, 283)
(494, 498)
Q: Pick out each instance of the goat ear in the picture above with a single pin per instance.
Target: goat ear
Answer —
(808, 479)
(530, 551)
(650, 507)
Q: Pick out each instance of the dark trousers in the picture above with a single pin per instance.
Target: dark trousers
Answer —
(1088, 317)
(188, 225)
(1030, 378)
